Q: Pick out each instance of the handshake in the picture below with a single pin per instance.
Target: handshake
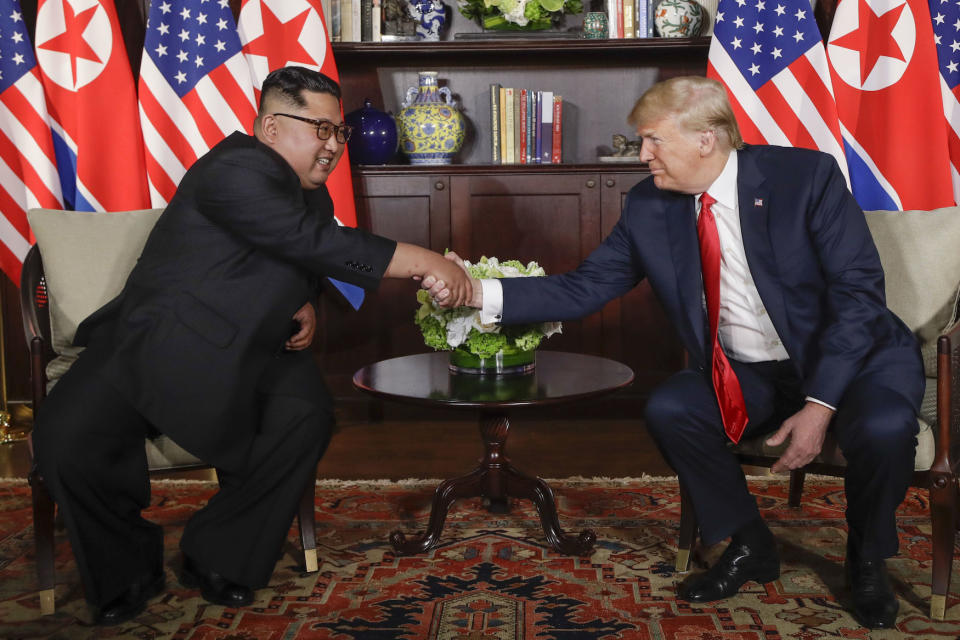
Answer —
(450, 285)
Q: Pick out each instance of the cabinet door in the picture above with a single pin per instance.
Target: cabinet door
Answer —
(409, 208)
(635, 328)
(551, 218)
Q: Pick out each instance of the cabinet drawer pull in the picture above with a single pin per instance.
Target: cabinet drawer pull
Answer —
(591, 184)
(438, 186)
(611, 182)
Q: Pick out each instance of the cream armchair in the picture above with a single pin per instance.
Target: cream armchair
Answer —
(921, 262)
(85, 260)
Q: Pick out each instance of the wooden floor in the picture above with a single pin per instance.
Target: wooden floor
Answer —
(398, 444)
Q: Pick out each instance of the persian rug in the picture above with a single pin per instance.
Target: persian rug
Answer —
(492, 577)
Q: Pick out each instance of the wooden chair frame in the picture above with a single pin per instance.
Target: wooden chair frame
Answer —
(35, 311)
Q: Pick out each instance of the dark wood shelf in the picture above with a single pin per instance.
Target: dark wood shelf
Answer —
(443, 52)
(473, 169)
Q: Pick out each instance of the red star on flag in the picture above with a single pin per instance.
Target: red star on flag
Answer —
(873, 38)
(280, 41)
(71, 41)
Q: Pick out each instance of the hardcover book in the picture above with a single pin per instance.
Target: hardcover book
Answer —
(509, 156)
(495, 122)
(524, 126)
(556, 154)
(546, 127)
(503, 125)
(366, 20)
(538, 118)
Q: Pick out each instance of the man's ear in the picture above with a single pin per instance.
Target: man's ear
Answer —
(268, 127)
(707, 142)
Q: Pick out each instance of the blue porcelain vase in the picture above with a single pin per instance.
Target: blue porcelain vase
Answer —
(430, 16)
(431, 130)
(374, 139)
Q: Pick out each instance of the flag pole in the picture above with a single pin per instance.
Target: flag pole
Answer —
(6, 435)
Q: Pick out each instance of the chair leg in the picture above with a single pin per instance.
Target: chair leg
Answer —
(688, 532)
(797, 476)
(308, 535)
(43, 516)
(943, 515)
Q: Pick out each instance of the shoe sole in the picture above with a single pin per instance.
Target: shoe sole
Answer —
(761, 579)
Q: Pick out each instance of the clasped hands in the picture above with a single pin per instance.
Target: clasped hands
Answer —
(471, 294)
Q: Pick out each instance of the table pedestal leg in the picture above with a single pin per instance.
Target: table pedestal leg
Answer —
(495, 478)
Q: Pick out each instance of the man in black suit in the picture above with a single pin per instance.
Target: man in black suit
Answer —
(198, 346)
(763, 261)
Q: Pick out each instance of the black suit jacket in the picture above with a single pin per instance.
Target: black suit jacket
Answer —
(810, 252)
(206, 310)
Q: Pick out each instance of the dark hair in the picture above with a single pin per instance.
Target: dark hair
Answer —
(289, 83)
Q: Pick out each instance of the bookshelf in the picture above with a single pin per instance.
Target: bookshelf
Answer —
(553, 213)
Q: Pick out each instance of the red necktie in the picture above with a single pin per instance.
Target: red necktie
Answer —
(733, 411)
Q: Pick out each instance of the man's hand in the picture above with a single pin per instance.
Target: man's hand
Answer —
(439, 292)
(806, 429)
(307, 317)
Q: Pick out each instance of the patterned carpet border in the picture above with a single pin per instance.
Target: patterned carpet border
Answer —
(492, 576)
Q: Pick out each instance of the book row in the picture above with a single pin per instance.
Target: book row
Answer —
(526, 126)
(630, 18)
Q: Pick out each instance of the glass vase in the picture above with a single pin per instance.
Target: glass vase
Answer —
(519, 362)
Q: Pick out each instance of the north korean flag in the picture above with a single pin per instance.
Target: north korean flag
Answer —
(887, 86)
(92, 104)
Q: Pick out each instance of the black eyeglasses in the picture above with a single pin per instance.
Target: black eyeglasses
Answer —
(325, 128)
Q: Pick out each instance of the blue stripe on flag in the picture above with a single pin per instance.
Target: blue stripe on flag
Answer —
(351, 292)
(870, 195)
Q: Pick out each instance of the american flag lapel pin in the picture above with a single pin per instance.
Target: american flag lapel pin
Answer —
(758, 202)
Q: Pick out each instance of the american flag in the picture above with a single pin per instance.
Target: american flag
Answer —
(770, 56)
(195, 87)
(946, 30)
(28, 171)
(277, 33)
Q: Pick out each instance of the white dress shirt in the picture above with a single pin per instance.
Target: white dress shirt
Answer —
(745, 330)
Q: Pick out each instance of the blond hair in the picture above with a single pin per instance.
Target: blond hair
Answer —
(697, 104)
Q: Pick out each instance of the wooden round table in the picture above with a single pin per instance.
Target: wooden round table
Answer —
(425, 379)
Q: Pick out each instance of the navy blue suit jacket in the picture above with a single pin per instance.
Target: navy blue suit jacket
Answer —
(810, 253)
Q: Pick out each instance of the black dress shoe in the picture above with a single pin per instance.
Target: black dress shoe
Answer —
(874, 604)
(213, 586)
(131, 602)
(739, 563)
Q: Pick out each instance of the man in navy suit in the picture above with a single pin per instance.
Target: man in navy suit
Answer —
(786, 327)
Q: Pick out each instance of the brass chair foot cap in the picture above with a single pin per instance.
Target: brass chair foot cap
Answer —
(938, 606)
(310, 559)
(683, 561)
(46, 602)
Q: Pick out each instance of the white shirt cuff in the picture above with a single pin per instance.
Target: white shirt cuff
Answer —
(820, 402)
(492, 309)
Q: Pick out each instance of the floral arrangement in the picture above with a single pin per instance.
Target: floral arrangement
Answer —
(525, 15)
(448, 329)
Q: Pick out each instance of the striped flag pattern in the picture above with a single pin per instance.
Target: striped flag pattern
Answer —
(770, 56)
(889, 101)
(195, 87)
(946, 30)
(91, 100)
(28, 171)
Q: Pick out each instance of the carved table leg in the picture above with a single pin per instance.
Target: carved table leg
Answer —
(462, 487)
(496, 479)
(535, 489)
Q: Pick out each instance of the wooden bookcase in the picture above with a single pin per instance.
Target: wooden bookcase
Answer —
(555, 214)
